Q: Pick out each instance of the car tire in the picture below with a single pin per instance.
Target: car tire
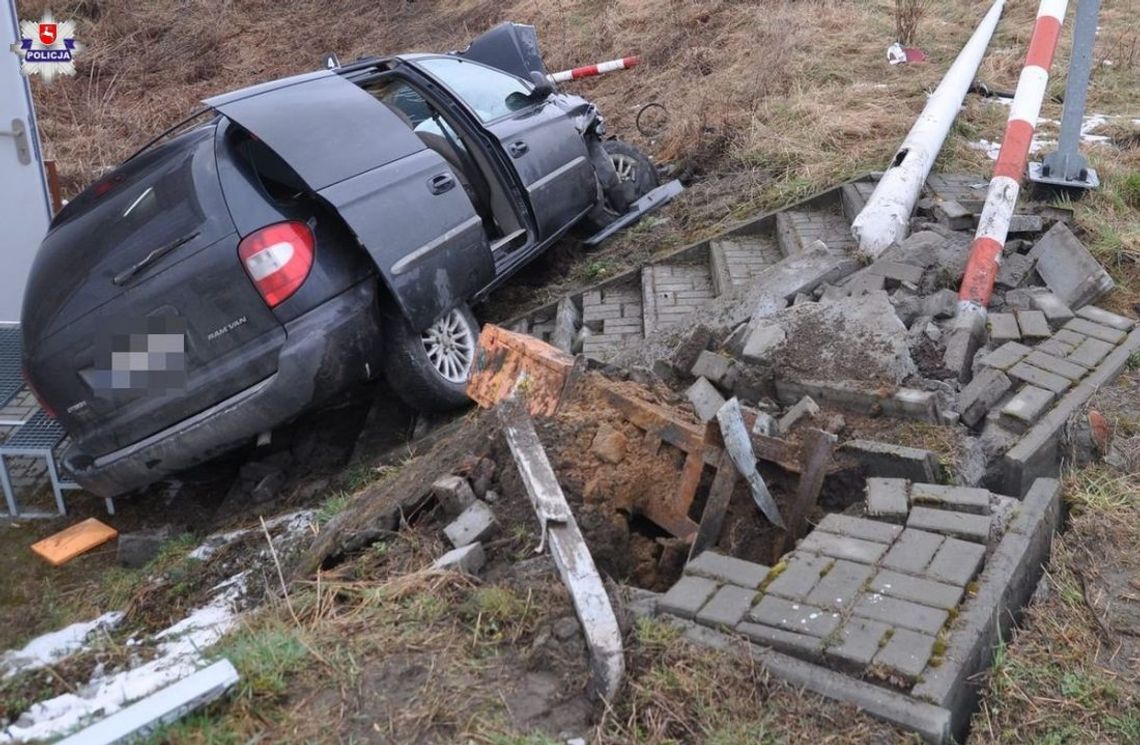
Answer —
(632, 165)
(429, 369)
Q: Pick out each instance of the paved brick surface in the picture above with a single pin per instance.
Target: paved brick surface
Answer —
(971, 527)
(1055, 347)
(1090, 352)
(960, 498)
(1036, 376)
(801, 574)
(842, 547)
(687, 597)
(806, 226)
(613, 314)
(887, 498)
(913, 551)
(858, 641)
(901, 613)
(800, 618)
(726, 607)
(1096, 331)
(1033, 324)
(727, 569)
(1069, 336)
(917, 590)
(956, 561)
(906, 653)
(746, 256)
(1028, 404)
(1049, 363)
(868, 530)
(1006, 356)
(784, 641)
(837, 589)
(675, 292)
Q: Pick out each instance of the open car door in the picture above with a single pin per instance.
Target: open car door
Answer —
(402, 200)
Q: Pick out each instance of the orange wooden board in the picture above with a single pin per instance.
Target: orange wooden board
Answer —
(67, 544)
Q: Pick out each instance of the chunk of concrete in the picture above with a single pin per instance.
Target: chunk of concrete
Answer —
(476, 523)
(1068, 268)
(805, 407)
(1014, 271)
(453, 493)
(981, 394)
(763, 341)
(894, 461)
(705, 398)
(1003, 328)
(716, 367)
(777, 285)
(1055, 310)
(953, 215)
(469, 559)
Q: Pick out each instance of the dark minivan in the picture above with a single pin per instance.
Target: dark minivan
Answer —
(303, 235)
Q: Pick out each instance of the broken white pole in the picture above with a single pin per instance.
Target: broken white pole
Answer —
(886, 217)
(159, 708)
(568, 547)
(601, 68)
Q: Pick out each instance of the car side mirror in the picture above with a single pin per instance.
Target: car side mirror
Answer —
(542, 85)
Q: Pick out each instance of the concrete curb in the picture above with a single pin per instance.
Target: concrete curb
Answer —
(1008, 581)
(1036, 454)
(931, 722)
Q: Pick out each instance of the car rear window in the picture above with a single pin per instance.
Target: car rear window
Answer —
(161, 196)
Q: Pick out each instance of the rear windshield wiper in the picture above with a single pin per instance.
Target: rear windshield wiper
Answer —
(122, 277)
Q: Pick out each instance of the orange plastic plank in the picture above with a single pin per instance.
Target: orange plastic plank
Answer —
(79, 538)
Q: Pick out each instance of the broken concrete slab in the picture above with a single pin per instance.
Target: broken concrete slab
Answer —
(894, 461)
(763, 341)
(953, 215)
(705, 398)
(715, 367)
(1068, 268)
(1014, 271)
(981, 394)
(804, 407)
(476, 523)
(780, 283)
(469, 559)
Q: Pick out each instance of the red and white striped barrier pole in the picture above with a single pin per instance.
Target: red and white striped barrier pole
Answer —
(590, 70)
(993, 225)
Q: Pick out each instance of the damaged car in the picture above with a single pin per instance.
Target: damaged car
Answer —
(304, 235)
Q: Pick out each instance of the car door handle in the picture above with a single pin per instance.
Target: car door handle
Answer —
(518, 149)
(441, 183)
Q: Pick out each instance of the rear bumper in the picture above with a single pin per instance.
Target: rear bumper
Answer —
(325, 350)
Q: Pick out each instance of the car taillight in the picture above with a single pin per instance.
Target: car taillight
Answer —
(278, 259)
(43, 404)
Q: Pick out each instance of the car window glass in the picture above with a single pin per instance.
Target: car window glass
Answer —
(490, 93)
(404, 100)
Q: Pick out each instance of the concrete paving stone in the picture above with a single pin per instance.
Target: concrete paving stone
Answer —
(476, 523)
(843, 547)
(958, 498)
(1105, 318)
(917, 590)
(1026, 224)
(980, 394)
(837, 589)
(727, 569)
(784, 641)
(796, 617)
(857, 641)
(900, 613)
(862, 283)
(856, 527)
(469, 559)
(726, 607)
(762, 342)
(453, 493)
(887, 498)
(802, 573)
(705, 398)
(1068, 336)
(913, 551)
(909, 403)
(959, 524)
(1067, 267)
(956, 562)
(1090, 353)
(1006, 356)
(1013, 271)
(715, 367)
(894, 461)
(1052, 306)
(1096, 331)
(1033, 324)
(1049, 363)
(687, 596)
(1028, 404)
(806, 406)
(953, 215)
(1055, 348)
(1027, 373)
(897, 271)
(906, 653)
(1003, 327)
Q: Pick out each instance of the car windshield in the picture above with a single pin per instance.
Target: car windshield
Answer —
(490, 93)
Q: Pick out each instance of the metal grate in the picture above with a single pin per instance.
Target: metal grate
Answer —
(11, 377)
(41, 432)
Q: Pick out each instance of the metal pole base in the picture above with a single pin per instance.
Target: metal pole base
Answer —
(1037, 175)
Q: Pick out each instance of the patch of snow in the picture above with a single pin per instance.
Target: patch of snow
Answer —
(54, 646)
(178, 654)
(1042, 142)
(292, 524)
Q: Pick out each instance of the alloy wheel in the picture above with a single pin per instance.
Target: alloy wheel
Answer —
(450, 347)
